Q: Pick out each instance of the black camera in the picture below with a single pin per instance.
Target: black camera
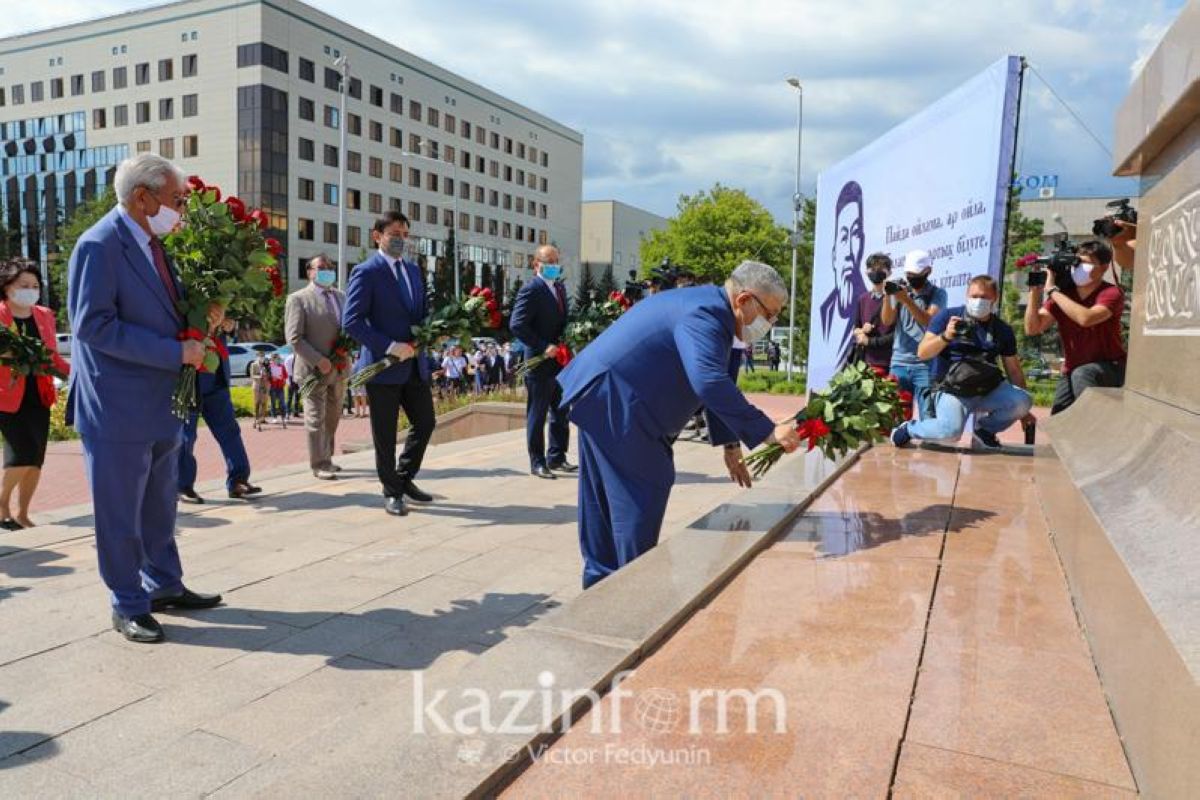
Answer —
(1061, 262)
(965, 328)
(894, 285)
(1107, 226)
(634, 289)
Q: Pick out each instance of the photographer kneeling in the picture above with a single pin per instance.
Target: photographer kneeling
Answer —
(964, 343)
(1089, 323)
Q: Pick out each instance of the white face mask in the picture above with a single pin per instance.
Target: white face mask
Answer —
(25, 297)
(756, 330)
(164, 221)
(1082, 274)
(979, 307)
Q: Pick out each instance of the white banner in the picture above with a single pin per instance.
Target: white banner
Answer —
(939, 182)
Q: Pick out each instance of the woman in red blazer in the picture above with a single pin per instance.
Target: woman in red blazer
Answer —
(24, 402)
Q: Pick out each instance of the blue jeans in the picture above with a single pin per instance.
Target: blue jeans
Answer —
(994, 412)
(915, 378)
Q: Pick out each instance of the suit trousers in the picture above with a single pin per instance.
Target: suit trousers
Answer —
(322, 413)
(134, 488)
(623, 491)
(542, 397)
(386, 400)
(217, 409)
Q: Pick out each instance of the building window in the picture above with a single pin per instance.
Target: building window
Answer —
(451, 124)
(191, 105)
(545, 160)
(333, 80)
(332, 117)
(306, 149)
(56, 88)
(493, 228)
(395, 173)
(414, 211)
(120, 116)
(191, 66)
(464, 160)
(395, 204)
(375, 203)
(521, 232)
(520, 205)
(520, 150)
(447, 218)
(330, 194)
(354, 124)
(448, 186)
(37, 92)
(304, 229)
(480, 164)
(464, 221)
(143, 146)
(305, 188)
(414, 177)
(143, 112)
(375, 167)
(544, 186)
(396, 103)
(166, 108)
(353, 201)
(308, 72)
(307, 109)
(397, 138)
(448, 154)
(414, 110)
(431, 181)
(479, 195)
(262, 153)
(191, 146)
(493, 198)
(435, 118)
(464, 129)
(262, 54)
(353, 236)
(77, 85)
(18, 94)
(166, 147)
(494, 169)
(506, 230)
(431, 215)
(495, 139)
(508, 202)
(356, 88)
(331, 233)
(354, 161)
(141, 74)
(376, 96)
(480, 135)
(120, 77)
(98, 81)
(414, 143)
(478, 224)
(98, 118)
(376, 131)
(331, 156)
(166, 69)
(508, 145)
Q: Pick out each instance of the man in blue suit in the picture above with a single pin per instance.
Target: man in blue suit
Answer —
(385, 298)
(539, 318)
(632, 390)
(216, 406)
(121, 295)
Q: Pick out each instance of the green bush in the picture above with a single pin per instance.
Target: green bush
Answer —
(770, 382)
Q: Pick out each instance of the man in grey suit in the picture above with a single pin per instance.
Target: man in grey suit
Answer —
(312, 321)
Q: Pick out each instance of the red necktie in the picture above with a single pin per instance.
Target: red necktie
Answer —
(558, 295)
(164, 272)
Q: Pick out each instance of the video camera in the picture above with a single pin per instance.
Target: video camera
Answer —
(1107, 227)
(666, 274)
(1064, 259)
(894, 285)
(634, 288)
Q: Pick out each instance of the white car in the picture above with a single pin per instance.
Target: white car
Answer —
(64, 345)
(242, 355)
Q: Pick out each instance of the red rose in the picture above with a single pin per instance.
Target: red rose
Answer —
(275, 248)
(195, 184)
(276, 281)
(191, 334)
(813, 430)
(216, 193)
(1026, 260)
(486, 292)
(563, 355)
(220, 347)
(237, 209)
(495, 321)
(259, 217)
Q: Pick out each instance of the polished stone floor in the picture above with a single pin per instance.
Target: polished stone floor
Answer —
(911, 636)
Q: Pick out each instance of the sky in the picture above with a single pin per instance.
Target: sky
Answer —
(673, 96)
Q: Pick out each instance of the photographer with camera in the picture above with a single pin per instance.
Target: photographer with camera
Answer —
(1088, 314)
(910, 305)
(964, 343)
(873, 339)
(1120, 228)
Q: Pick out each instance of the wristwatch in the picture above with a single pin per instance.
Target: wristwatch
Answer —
(1050, 292)
(947, 339)
(733, 446)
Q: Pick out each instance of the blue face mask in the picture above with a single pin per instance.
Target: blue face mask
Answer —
(551, 272)
(326, 277)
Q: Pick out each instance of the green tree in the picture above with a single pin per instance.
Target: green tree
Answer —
(585, 294)
(86, 215)
(10, 242)
(606, 285)
(713, 231)
(1024, 236)
(273, 319)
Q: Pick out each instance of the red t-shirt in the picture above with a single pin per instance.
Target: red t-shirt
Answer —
(1098, 343)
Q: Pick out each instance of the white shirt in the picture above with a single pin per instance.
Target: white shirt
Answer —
(398, 266)
(454, 366)
(140, 236)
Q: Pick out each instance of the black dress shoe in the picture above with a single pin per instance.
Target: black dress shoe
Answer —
(241, 491)
(190, 496)
(542, 471)
(395, 506)
(11, 525)
(564, 466)
(187, 600)
(142, 628)
(413, 493)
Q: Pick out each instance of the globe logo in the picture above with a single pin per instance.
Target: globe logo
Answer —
(657, 711)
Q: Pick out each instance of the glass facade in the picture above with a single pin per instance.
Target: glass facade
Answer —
(46, 171)
(262, 127)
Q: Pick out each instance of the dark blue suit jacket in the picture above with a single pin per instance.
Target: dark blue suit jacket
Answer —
(377, 314)
(126, 358)
(659, 362)
(536, 321)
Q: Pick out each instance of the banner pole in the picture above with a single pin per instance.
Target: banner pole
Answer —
(1012, 171)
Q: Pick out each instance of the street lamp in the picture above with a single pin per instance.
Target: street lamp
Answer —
(797, 207)
(344, 65)
(421, 142)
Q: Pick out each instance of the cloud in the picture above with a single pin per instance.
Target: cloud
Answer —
(674, 95)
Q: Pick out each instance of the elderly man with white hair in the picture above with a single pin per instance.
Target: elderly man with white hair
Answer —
(632, 390)
(122, 295)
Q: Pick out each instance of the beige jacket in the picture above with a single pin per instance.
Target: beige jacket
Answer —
(311, 327)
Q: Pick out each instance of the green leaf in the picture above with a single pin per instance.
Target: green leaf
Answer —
(212, 361)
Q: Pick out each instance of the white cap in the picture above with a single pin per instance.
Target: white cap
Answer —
(917, 261)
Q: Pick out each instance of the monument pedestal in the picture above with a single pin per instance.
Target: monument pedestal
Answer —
(1121, 487)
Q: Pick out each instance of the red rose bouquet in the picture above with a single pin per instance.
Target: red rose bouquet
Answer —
(581, 330)
(339, 357)
(28, 356)
(225, 263)
(860, 405)
(457, 321)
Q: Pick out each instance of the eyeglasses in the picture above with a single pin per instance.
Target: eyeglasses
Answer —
(771, 318)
